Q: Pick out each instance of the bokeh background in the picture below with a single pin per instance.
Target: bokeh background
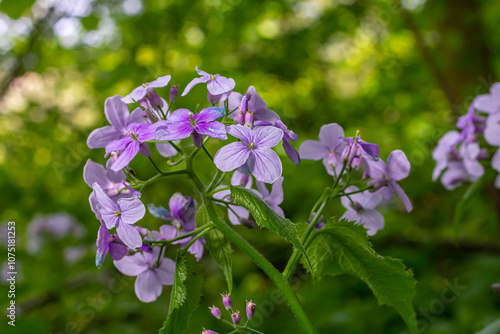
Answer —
(401, 72)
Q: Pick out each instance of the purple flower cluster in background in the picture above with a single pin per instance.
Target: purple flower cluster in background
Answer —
(458, 154)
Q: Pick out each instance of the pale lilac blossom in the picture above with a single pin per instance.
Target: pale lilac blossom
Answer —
(489, 103)
(111, 243)
(216, 84)
(141, 91)
(361, 209)
(252, 103)
(273, 198)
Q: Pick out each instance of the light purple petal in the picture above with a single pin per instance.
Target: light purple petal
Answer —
(136, 95)
(118, 145)
(375, 169)
(231, 156)
(495, 161)
(276, 195)
(160, 82)
(101, 137)
(137, 116)
(265, 165)
(234, 101)
(244, 133)
(96, 173)
(372, 220)
(489, 103)
(329, 135)
(148, 286)
(144, 149)
(175, 131)
(291, 151)
(351, 215)
(398, 165)
(179, 115)
(267, 136)
(116, 177)
(193, 83)
(312, 150)
(132, 265)
(497, 182)
(220, 86)
(212, 129)
(492, 130)
(240, 211)
(103, 199)
(166, 271)
(404, 197)
(117, 113)
(126, 156)
(132, 210)
(166, 150)
(264, 192)
(129, 235)
(177, 204)
(197, 249)
(209, 114)
(168, 232)
(202, 73)
(369, 149)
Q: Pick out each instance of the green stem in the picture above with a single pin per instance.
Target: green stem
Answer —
(156, 167)
(206, 151)
(196, 238)
(219, 176)
(215, 191)
(351, 193)
(180, 237)
(264, 264)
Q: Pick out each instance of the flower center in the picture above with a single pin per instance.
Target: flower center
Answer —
(134, 136)
(251, 146)
(191, 118)
(212, 77)
(117, 213)
(145, 85)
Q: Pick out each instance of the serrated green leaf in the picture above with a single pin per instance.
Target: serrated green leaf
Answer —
(343, 248)
(186, 293)
(267, 217)
(218, 246)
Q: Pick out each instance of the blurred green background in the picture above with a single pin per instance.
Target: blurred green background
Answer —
(400, 72)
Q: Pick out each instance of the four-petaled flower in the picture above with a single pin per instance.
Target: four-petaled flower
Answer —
(182, 123)
(253, 104)
(255, 146)
(121, 214)
(273, 198)
(361, 209)
(216, 84)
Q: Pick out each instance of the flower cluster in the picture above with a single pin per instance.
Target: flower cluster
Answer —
(342, 156)
(235, 314)
(458, 154)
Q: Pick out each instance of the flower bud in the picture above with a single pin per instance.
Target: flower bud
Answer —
(208, 331)
(236, 317)
(228, 303)
(240, 118)
(216, 312)
(244, 102)
(249, 119)
(114, 155)
(154, 99)
(197, 139)
(174, 91)
(250, 309)
(247, 222)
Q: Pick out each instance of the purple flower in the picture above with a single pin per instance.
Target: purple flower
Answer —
(489, 103)
(226, 300)
(385, 176)
(250, 309)
(329, 147)
(236, 214)
(108, 243)
(174, 91)
(141, 91)
(470, 153)
(216, 84)
(208, 331)
(236, 317)
(255, 146)
(275, 197)
(361, 209)
(216, 312)
(455, 175)
(357, 151)
(321, 221)
(444, 152)
(289, 135)
(119, 117)
(122, 215)
(151, 274)
(495, 163)
(492, 130)
(182, 123)
(471, 125)
(251, 102)
(132, 144)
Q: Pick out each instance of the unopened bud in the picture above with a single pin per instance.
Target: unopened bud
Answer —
(208, 331)
(236, 317)
(216, 312)
(154, 99)
(240, 118)
(250, 309)
(249, 119)
(244, 102)
(174, 91)
(228, 303)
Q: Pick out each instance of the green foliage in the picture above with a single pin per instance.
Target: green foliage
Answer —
(15, 8)
(218, 246)
(186, 293)
(493, 328)
(267, 217)
(343, 248)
